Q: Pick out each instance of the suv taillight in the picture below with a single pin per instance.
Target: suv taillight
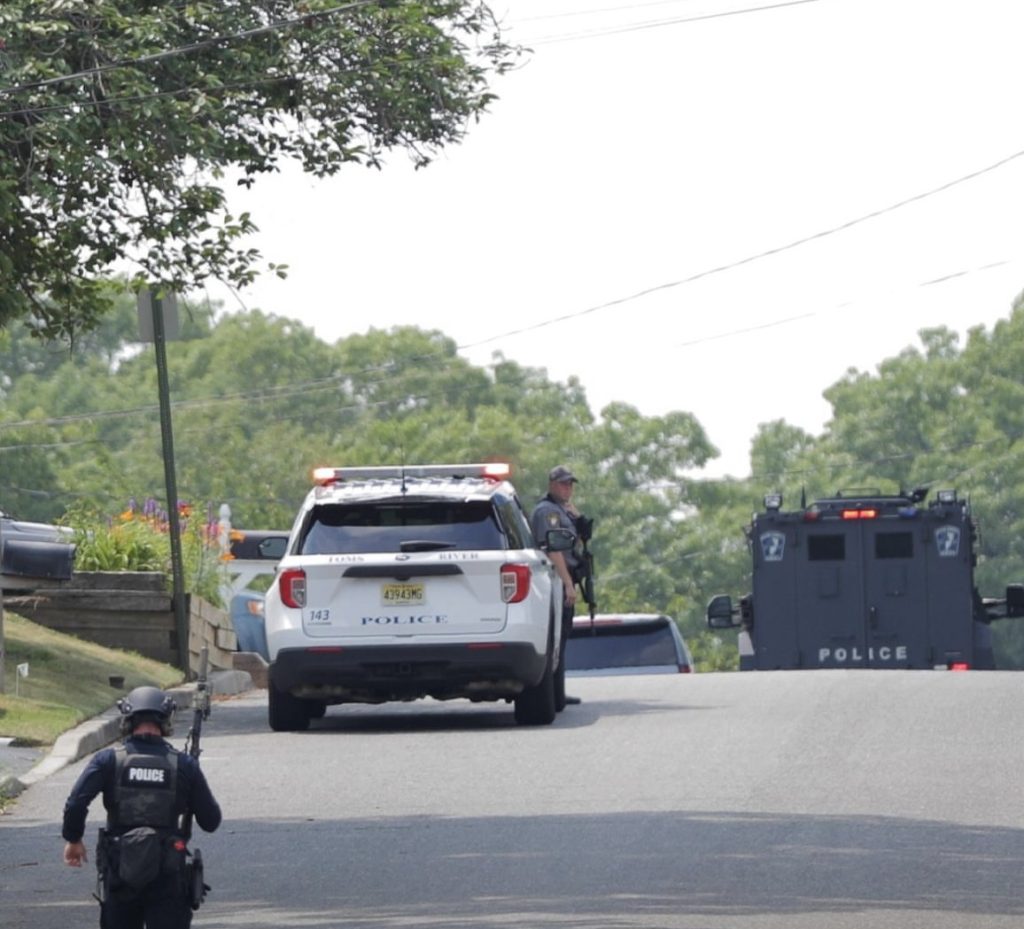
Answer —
(515, 582)
(293, 588)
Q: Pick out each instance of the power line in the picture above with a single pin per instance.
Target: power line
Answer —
(830, 467)
(213, 90)
(334, 382)
(304, 19)
(595, 11)
(600, 32)
(142, 98)
(750, 259)
(785, 321)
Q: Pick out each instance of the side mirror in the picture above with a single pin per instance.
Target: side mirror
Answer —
(259, 545)
(1015, 600)
(720, 613)
(273, 548)
(559, 540)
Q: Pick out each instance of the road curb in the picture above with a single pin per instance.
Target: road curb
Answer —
(102, 730)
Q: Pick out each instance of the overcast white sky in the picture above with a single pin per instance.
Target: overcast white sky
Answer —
(625, 160)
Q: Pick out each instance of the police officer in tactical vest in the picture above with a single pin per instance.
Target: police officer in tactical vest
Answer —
(148, 787)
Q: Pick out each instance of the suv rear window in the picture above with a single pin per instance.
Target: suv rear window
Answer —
(401, 527)
(619, 647)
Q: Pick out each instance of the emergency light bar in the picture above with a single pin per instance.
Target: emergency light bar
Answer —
(491, 470)
(860, 514)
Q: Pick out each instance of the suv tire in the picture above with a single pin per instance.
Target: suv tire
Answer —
(535, 706)
(285, 712)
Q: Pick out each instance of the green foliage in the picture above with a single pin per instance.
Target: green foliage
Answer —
(712, 653)
(103, 545)
(119, 119)
(140, 541)
(258, 401)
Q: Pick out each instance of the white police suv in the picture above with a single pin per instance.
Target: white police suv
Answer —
(407, 582)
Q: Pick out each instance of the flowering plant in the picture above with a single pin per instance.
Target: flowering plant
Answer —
(138, 539)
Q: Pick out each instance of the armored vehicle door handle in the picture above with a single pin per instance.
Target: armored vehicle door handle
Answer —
(873, 617)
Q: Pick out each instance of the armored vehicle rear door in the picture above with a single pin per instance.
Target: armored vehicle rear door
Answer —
(876, 594)
(830, 596)
(895, 581)
(861, 594)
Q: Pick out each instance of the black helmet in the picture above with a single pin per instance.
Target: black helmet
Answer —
(146, 703)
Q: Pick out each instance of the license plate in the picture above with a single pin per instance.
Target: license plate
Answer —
(402, 594)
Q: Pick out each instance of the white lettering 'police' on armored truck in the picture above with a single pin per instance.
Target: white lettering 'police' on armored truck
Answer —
(864, 580)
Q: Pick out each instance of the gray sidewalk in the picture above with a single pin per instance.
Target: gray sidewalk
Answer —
(21, 767)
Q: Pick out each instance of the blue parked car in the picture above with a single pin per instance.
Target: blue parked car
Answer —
(253, 553)
(247, 618)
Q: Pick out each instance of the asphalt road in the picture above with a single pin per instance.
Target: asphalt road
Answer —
(782, 799)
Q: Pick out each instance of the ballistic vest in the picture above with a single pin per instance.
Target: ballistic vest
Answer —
(146, 790)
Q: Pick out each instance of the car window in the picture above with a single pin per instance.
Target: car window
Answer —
(385, 527)
(517, 526)
(619, 647)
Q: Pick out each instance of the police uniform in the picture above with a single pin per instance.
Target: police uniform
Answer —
(147, 786)
(550, 514)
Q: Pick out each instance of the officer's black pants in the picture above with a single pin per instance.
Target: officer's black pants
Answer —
(568, 614)
(161, 905)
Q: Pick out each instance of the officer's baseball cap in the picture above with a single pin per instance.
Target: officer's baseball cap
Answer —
(561, 474)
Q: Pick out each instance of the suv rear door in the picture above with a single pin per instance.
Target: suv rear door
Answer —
(408, 567)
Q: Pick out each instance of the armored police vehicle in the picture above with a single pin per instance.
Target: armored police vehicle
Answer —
(864, 580)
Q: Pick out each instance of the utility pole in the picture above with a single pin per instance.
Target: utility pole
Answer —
(3, 647)
(157, 304)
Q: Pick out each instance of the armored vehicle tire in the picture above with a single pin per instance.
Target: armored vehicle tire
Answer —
(285, 712)
(317, 709)
(535, 706)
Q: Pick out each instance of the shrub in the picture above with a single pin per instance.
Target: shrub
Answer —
(139, 540)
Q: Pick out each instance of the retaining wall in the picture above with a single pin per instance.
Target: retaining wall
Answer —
(129, 610)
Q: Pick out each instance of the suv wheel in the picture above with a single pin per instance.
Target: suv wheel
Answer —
(285, 712)
(535, 706)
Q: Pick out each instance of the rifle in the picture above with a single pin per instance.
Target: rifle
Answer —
(585, 527)
(197, 889)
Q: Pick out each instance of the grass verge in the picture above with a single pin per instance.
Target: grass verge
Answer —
(68, 680)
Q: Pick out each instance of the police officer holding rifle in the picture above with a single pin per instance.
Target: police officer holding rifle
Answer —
(151, 792)
(557, 511)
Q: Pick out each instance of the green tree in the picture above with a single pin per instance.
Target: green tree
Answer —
(118, 119)
(258, 401)
(647, 542)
